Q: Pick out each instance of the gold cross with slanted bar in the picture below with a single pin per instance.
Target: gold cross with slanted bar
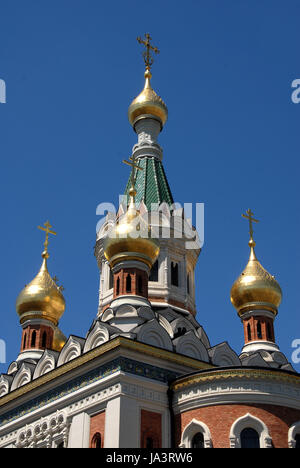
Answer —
(47, 231)
(133, 165)
(147, 53)
(249, 216)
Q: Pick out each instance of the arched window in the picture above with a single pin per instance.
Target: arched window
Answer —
(249, 332)
(140, 285)
(128, 283)
(269, 333)
(111, 279)
(198, 440)
(33, 339)
(118, 287)
(297, 439)
(24, 341)
(249, 438)
(188, 280)
(96, 441)
(154, 272)
(259, 334)
(174, 274)
(44, 340)
(149, 443)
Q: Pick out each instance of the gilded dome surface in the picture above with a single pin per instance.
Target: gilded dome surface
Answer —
(148, 103)
(41, 298)
(129, 239)
(255, 288)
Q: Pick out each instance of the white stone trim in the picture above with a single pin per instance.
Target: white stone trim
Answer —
(191, 430)
(293, 431)
(249, 421)
(236, 391)
(98, 335)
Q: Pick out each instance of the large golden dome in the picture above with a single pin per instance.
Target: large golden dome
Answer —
(255, 288)
(129, 239)
(41, 298)
(147, 103)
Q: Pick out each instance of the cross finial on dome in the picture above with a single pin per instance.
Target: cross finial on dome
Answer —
(133, 165)
(147, 53)
(249, 216)
(47, 227)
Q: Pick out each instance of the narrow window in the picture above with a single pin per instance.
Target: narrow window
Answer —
(188, 279)
(118, 287)
(33, 339)
(154, 272)
(269, 332)
(96, 441)
(249, 332)
(60, 445)
(149, 443)
(259, 334)
(128, 283)
(297, 439)
(249, 438)
(140, 285)
(24, 341)
(198, 440)
(174, 274)
(111, 280)
(44, 340)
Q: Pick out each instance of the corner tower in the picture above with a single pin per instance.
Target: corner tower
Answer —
(40, 305)
(256, 295)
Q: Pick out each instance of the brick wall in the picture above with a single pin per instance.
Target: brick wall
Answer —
(219, 420)
(151, 429)
(97, 426)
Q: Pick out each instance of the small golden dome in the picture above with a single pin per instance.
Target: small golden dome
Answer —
(129, 238)
(147, 103)
(41, 298)
(255, 288)
(59, 340)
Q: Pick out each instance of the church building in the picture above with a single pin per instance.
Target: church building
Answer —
(145, 374)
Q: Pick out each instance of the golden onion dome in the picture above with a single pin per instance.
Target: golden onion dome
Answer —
(129, 238)
(59, 340)
(255, 288)
(147, 104)
(41, 298)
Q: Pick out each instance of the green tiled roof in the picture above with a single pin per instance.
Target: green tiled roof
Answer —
(151, 183)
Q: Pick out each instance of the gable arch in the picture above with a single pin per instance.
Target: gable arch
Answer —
(71, 350)
(22, 377)
(190, 345)
(249, 421)
(46, 364)
(193, 428)
(294, 430)
(154, 334)
(97, 336)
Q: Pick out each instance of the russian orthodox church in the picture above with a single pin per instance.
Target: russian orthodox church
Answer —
(145, 375)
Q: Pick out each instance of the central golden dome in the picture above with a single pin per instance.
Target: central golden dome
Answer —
(129, 239)
(148, 103)
(41, 298)
(255, 288)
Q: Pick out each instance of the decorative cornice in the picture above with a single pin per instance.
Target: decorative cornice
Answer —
(230, 374)
(121, 342)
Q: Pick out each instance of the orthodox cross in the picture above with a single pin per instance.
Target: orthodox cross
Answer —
(133, 166)
(249, 216)
(147, 53)
(47, 231)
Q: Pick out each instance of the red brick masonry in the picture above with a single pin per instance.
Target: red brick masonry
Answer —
(219, 420)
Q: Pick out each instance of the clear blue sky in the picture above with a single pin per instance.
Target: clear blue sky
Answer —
(225, 70)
